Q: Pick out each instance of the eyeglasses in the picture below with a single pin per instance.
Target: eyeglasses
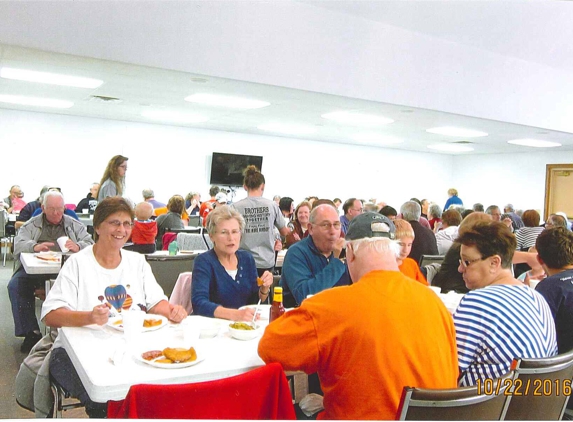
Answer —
(359, 210)
(55, 209)
(466, 263)
(116, 223)
(123, 166)
(327, 225)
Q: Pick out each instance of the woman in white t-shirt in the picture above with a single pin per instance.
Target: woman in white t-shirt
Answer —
(77, 297)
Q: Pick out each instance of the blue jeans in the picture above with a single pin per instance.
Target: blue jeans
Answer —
(63, 371)
(21, 292)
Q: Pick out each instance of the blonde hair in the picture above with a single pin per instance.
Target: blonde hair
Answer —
(453, 192)
(223, 213)
(403, 229)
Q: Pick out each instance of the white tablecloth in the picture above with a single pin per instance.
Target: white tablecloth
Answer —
(91, 349)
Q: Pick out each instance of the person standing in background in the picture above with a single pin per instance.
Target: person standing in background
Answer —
(113, 180)
(453, 199)
(260, 215)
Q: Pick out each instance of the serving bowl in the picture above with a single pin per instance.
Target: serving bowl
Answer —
(244, 334)
(209, 328)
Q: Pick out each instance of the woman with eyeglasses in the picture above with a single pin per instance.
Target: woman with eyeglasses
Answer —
(500, 318)
(225, 278)
(78, 296)
(113, 180)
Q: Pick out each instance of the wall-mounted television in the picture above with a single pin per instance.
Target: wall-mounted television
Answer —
(227, 169)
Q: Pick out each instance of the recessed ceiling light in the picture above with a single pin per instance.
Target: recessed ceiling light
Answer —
(534, 143)
(451, 147)
(34, 101)
(456, 131)
(356, 119)
(49, 78)
(199, 80)
(224, 101)
(173, 117)
(375, 139)
(287, 129)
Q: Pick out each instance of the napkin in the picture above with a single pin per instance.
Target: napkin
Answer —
(119, 353)
(311, 403)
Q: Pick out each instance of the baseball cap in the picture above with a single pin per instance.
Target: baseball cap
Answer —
(370, 224)
(221, 198)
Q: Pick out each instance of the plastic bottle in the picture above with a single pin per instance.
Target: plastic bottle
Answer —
(173, 248)
(277, 308)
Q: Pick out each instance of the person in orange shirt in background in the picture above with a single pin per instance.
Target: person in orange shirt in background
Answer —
(207, 206)
(370, 339)
(405, 237)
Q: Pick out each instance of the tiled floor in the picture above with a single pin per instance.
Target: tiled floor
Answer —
(12, 357)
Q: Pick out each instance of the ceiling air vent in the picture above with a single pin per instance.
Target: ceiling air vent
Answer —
(103, 99)
(461, 142)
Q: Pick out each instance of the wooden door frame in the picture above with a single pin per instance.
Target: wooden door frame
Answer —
(548, 170)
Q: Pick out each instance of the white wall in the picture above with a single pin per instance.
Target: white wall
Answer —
(71, 152)
(296, 45)
(506, 178)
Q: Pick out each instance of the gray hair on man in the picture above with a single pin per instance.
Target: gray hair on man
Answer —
(411, 211)
(51, 193)
(148, 193)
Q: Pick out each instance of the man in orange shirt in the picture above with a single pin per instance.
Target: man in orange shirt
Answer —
(368, 340)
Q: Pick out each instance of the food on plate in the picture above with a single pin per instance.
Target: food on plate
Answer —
(260, 281)
(151, 322)
(152, 354)
(179, 354)
(170, 355)
(118, 322)
(48, 257)
(241, 326)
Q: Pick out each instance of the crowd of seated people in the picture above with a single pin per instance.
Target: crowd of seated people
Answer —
(364, 244)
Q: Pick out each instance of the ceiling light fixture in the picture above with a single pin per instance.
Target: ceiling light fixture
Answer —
(287, 129)
(451, 147)
(173, 117)
(356, 119)
(49, 78)
(456, 131)
(375, 139)
(535, 143)
(34, 101)
(224, 101)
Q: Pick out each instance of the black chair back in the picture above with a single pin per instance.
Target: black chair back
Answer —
(541, 388)
(484, 402)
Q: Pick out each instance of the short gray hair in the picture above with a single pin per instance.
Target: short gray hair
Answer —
(435, 211)
(379, 244)
(223, 213)
(51, 193)
(147, 193)
(411, 211)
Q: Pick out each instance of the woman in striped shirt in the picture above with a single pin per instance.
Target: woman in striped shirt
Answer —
(500, 318)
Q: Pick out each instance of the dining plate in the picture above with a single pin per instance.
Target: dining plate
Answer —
(116, 323)
(264, 310)
(200, 358)
(49, 257)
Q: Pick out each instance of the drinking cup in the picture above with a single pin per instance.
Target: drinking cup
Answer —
(62, 243)
(132, 325)
(191, 332)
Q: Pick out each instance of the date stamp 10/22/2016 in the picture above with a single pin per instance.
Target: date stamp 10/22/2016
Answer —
(519, 387)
